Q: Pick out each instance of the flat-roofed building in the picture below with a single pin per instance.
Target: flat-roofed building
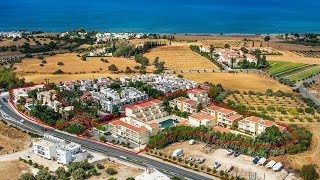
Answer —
(46, 147)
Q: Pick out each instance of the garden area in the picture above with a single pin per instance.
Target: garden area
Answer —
(277, 106)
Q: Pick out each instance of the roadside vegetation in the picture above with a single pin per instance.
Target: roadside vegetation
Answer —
(272, 136)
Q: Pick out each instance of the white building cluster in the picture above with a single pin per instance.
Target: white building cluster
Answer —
(13, 34)
(163, 82)
(53, 148)
(115, 36)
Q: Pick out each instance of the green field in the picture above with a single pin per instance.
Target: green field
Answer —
(294, 72)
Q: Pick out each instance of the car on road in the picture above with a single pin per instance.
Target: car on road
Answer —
(22, 120)
(4, 100)
(0, 106)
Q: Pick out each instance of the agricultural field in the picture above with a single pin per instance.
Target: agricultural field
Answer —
(221, 43)
(179, 57)
(311, 54)
(294, 72)
(282, 108)
(20, 42)
(141, 41)
(239, 81)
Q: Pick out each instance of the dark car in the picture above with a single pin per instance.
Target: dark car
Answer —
(236, 154)
(4, 100)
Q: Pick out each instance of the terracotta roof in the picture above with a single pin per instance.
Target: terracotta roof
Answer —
(200, 116)
(225, 111)
(190, 101)
(250, 56)
(181, 99)
(129, 126)
(267, 123)
(153, 125)
(234, 117)
(88, 93)
(214, 108)
(253, 119)
(243, 121)
(183, 123)
(145, 104)
(281, 128)
(221, 129)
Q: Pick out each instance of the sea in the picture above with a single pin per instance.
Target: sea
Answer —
(164, 16)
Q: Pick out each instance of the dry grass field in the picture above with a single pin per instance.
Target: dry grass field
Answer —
(39, 78)
(11, 170)
(10, 42)
(193, 37)
(12, 139)
(284, 107)
(73, 64)
(141, 41)
(124, 171)
(180, 57)
(239, 81)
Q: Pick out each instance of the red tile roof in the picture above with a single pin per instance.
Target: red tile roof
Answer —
(214, 108)
(234, 117)
(190, 101)
(221, 129)
(200, 116)
(225, 111)
(129, 126)
(183, 123)
(181, 99)
(253, 119)
(267, 123)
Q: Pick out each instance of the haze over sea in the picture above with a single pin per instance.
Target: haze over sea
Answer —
(165, 16)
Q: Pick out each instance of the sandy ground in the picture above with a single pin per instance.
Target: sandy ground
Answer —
(124, 171)
(243, 164)
(12, 139)
(180, 57)
(239, 81)
(11, 170)
(73, 64)
(10, 42)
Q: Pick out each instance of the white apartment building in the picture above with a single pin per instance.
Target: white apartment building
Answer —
(147, 111)
(133, 129)
(68, 153)
(54, 148)
(201, 119)
(262, 125)
(223, 116)
(46, 147)
(130, 94)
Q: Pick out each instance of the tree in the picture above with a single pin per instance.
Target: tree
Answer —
(113, 67)
(156, 61)
(78, 174)
(60, 64)
(102, 138)
(84, 57)
(269, 92)
(267, 38)
(308, 172)
(111, 171)
(128, 70)
(180, 76)
(27, 176)
(44, 174)
(92, 171)
(227, 46)
(62, 174)
(130, 178)
(199, 107)
(244, 50)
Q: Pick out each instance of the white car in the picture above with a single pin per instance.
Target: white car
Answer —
(22, 120)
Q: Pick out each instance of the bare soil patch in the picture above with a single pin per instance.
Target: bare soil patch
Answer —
(12, 170)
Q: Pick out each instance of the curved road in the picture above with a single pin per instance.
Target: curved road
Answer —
(165, 168)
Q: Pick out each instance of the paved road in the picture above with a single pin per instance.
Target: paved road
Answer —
(304, 92)
(97, 146)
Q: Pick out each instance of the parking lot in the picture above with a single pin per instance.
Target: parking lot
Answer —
(242, 164)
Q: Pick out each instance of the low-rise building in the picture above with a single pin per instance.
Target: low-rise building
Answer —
(184, 104)
(201, 119)
(249, 124)
(133, 129)
(199, 95)
(46, 147)
(147, 111)
(54, 148)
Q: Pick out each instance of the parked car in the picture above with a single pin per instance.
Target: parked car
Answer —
(255, 160)
(216, 165)
(192, 142)
(236, 154)
(200, 160)
(177, 152)
(189, 158)
(230, 152)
